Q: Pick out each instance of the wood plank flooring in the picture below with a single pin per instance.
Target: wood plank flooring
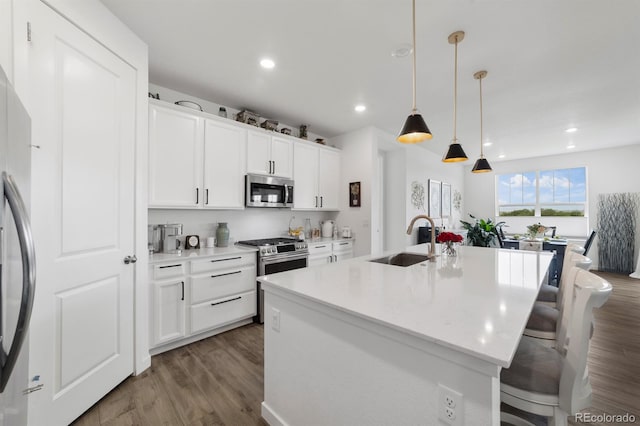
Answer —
(219, 380)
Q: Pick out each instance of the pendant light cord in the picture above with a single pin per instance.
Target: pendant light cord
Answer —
(414, 57)
(455, 92)
(481, 146)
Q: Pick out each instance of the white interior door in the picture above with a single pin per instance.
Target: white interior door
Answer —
(83, 100)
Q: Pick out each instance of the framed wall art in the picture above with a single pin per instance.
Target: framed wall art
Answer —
(445, 207)
(434, 198)
(354, 194)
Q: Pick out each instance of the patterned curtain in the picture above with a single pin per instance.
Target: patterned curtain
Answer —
(617, 218)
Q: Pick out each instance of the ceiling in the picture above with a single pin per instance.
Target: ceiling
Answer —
(551, 65)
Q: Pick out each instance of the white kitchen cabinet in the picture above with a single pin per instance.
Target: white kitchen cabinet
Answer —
(269, 155)
(321, 253)
(194, 161)
(175, 158)
(342, 250)
(167, 302)
(168, 311)
(224, 165)
(317, 177)
(198, 298)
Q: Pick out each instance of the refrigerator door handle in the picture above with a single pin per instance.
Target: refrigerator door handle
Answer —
(21, 219)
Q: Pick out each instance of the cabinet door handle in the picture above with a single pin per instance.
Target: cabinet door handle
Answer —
(169, 266)
(343, 244)
(274, 167)
(225, 301)
(228, 258)
(206, 195)
(225, 274)
(316, 201)
(335, 258)
(197, 195)
(321, 201)
(182, 285)
(320, 246)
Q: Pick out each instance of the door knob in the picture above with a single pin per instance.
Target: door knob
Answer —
(130, 259)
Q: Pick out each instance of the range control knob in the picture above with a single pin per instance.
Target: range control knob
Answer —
(263, 251)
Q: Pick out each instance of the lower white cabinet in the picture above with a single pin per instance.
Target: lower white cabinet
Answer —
(321, 253)
(199, 296)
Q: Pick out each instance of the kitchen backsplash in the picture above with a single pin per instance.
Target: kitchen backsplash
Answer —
(243, 224)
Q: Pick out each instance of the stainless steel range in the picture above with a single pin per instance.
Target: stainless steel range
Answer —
(277, 255)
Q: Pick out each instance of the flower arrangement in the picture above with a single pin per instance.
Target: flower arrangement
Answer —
(445, 237)
(448, 238)
(535, 230)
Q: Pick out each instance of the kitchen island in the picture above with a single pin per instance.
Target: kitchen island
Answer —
(359, 342)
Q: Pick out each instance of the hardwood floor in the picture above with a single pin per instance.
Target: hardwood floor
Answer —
(219, 381)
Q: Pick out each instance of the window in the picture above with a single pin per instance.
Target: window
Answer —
(560, 192)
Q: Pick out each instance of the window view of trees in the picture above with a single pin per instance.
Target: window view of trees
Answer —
(560, 192)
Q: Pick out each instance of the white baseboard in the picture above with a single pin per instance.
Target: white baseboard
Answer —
(270, 416)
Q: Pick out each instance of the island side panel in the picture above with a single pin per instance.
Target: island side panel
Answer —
(325, 367)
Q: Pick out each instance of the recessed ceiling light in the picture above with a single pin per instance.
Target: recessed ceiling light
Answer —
(501, 156)
(267, 63)
(360, 108)
(571, 129)
(571, 146)
(487, 144)
(402, 51)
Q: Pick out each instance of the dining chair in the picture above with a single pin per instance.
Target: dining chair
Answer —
(548, 294)
(551, 382)
(544, 321)
(587, 244)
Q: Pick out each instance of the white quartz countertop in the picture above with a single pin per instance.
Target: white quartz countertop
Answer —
(199, 253)
(477, 302)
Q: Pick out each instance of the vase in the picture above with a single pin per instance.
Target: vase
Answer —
(449, 249)
(222, 235)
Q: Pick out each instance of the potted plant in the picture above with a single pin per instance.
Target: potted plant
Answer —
(482, 233)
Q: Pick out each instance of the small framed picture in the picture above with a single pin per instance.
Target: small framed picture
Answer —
(434, 198)
(445, 207)
(354, 194)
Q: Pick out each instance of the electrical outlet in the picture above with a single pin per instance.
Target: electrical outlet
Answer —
(275, 319)
(450, 406)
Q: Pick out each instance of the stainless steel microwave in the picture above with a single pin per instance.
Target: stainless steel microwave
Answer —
(268, 191)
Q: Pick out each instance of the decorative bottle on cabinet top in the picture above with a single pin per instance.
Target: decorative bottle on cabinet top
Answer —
(222, 235)
(307, 229)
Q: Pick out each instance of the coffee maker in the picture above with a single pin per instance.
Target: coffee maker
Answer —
(168, 238)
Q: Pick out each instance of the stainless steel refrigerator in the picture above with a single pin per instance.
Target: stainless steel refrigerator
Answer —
(17, 256)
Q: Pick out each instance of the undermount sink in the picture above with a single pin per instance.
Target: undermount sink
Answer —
(402, 259)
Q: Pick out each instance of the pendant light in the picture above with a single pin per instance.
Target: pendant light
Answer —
(415, 129)
(455, 152)
(482, 165)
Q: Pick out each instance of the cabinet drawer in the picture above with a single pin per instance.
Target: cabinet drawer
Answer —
(342, 246)
(222, 283)
(319, 249)
(223, 262)
(215, 313)
(168, 270)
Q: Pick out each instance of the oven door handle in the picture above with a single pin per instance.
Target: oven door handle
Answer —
(282, 258)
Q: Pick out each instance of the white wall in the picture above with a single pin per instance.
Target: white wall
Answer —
(358, 164)
(608, 171)
(406, 164)
(6, 37)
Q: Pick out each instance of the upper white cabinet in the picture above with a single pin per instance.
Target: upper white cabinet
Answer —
(194, 162)
(317, 177)
(175, 158)
(269, 155)
(224, 165)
